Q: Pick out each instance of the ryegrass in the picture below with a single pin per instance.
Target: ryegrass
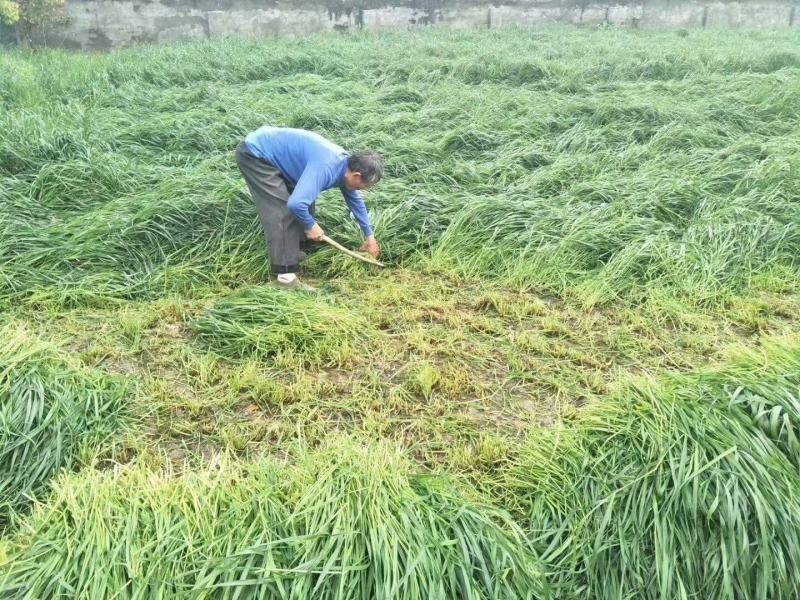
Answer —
(653, 164)
(677, 489)
(175, 234)
(347, 523)
(50, 414)
(265, 321)
(577, 207)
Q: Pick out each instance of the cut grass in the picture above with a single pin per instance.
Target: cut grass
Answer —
(265, 321)
(51, 413)
(436, 365)
(348, 523)
(677, 489)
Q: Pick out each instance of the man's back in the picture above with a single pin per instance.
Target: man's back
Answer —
(291, 150)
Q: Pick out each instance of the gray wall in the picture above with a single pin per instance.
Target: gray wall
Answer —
(104, 24)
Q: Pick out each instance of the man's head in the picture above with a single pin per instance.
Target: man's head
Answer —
(364, 169)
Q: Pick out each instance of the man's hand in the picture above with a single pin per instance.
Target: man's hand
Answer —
(371, 246)
(315, 233)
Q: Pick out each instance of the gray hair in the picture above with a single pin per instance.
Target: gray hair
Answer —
(369, 164)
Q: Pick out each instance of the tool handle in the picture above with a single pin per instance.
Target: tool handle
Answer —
(349, 252)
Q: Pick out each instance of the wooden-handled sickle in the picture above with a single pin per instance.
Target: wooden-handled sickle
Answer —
(338, 246)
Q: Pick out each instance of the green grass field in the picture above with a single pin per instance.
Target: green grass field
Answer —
(578, 378)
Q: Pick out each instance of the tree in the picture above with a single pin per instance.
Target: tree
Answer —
(9, 12)
(27, 15)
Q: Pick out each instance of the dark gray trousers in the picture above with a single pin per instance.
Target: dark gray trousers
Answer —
(270, 192)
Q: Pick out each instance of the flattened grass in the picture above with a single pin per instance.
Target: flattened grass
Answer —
(265, 321)
(638, 191)
(677, 489)
(650, 165)
(347, 523)
(50, 413)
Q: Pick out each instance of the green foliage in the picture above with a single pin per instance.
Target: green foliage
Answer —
(265, 321)
(9, 12)
(49, 412)
(680, 490)
(347, 523)
(28, 15)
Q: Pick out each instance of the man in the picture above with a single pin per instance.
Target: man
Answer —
(285, 170)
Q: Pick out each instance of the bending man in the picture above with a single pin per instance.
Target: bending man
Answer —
(285, 170)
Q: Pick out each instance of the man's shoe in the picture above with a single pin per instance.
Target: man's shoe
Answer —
(295, 284)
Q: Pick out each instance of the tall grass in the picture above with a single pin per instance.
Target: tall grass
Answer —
(50, 413)
(348, 523)
(682, 489)
(147, 231)
(612, 166)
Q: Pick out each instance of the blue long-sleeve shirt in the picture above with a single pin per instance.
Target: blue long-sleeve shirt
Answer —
(313, 164)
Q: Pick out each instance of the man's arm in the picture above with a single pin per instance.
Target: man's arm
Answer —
(359, 210)
(356, 204)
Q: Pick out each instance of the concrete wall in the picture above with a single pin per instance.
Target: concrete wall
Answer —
(104, 24)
